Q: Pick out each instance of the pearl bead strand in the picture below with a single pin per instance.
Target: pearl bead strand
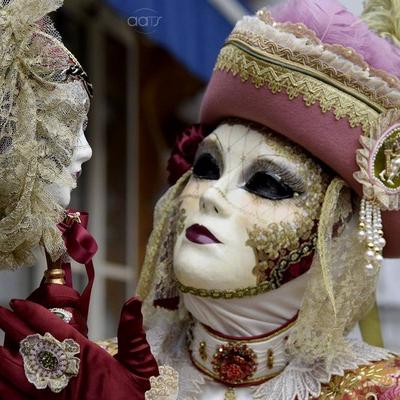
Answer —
(370, 232)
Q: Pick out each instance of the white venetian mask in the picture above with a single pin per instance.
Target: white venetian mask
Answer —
(253, 199)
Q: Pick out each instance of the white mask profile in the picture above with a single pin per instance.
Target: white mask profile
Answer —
(81, 154)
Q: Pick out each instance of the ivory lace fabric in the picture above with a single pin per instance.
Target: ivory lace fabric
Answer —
(339, 292)
(42, 108)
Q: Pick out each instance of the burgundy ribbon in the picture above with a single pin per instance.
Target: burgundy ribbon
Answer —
(81, 247)
(80, 244)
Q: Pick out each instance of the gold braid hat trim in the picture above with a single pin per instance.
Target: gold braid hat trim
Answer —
(296, 42)
(278, 75)
(315, 62)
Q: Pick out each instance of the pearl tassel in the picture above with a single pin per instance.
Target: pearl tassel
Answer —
(371, 233)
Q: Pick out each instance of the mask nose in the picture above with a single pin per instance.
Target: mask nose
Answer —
(212, 202)
(83, 150)
(214, 199)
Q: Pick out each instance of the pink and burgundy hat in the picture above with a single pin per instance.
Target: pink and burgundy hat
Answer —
(313, 72)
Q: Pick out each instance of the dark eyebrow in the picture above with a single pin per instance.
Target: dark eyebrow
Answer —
(212, 145)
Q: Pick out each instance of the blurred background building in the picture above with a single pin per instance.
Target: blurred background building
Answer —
(149, 61)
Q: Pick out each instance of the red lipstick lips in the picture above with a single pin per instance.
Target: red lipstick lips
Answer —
(200, 234)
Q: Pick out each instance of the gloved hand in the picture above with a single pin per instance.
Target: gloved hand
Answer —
(101, 376)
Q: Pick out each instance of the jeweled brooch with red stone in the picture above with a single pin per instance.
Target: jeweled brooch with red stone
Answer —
(234, 363)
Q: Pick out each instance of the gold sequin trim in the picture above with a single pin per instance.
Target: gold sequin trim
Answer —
(266, 72)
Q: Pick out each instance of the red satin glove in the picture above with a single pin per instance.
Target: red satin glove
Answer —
(101, 376)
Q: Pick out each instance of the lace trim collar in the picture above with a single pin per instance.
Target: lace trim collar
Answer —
(299, 380)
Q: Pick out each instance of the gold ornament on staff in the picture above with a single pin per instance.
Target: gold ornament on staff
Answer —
(54, 273)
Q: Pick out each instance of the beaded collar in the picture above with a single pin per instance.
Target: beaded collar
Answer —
(239, 361)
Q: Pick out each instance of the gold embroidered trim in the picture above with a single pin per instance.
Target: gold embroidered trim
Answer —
(203, 350)
(376, 374)
(226, 294)
(274, 271)
(109, 345)
(314, 62)
(270, 359)
(278, 78)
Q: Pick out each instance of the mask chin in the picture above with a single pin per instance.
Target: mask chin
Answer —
(212, 269)
(61, 194)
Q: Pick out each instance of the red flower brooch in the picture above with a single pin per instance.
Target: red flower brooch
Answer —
(234, 363)
(184, 151)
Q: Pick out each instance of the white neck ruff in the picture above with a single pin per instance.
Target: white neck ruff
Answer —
(249, 316)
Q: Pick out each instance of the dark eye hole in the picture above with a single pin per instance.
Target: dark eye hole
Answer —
(206, 167)
(269, 187)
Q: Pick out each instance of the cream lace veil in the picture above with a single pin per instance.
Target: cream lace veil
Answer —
(43, 104)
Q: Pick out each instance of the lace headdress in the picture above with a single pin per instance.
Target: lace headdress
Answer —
(43, 103)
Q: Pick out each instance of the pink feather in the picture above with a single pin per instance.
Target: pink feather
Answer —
(334, 24)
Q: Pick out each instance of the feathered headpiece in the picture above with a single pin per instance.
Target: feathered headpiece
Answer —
(383, 17)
